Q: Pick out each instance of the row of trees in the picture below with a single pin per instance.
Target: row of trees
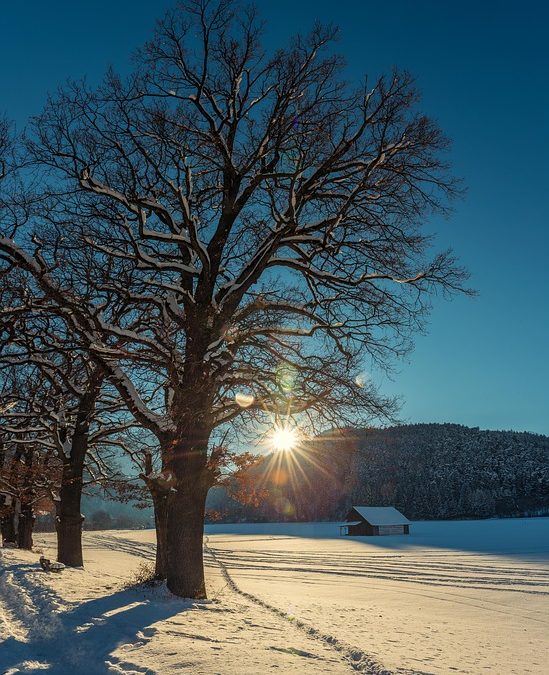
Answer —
(61, 425)
(207, 247)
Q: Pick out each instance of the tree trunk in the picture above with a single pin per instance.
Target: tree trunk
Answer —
(185, 531)
(25, 527)
(185, 458)
(9, 534)
(160, 505)
(68, 521)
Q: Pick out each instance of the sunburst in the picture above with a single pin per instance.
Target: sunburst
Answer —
(284, 438)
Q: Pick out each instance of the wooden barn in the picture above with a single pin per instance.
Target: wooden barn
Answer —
(373, 521)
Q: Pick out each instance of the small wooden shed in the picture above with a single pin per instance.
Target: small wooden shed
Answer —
(373, 521)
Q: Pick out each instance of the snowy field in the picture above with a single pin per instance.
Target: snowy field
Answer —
(453, 597)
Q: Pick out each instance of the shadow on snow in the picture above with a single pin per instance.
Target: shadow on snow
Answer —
(82, 638)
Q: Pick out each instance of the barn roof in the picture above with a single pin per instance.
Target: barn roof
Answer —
(381, 515)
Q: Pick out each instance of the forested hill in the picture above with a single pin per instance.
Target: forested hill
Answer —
(426, 470)
(452, 471)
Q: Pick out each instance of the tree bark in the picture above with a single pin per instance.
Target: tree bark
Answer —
(160, 505)
(159, 494)
(25, 527)
(69, 518)
(185, 457)
(68, 521)
(9, 534)
(185, 531)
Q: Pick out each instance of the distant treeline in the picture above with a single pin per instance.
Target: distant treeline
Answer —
(429, 471)
(102, 519)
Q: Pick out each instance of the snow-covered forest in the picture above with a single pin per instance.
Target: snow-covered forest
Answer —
(451, 471)
(428, 470)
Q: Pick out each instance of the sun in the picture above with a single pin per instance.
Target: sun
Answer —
(283, 439)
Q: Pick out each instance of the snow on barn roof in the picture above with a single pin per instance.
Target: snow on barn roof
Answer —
(381, 515)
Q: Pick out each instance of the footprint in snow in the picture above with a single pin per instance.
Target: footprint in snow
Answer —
(295, 652)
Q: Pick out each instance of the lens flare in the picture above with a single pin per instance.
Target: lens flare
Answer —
(361, 380)
(286, 377)
(244, 400)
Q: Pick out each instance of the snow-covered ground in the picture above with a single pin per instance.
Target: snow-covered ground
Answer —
(453, 597)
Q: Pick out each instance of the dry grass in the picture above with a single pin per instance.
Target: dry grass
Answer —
(143, 575)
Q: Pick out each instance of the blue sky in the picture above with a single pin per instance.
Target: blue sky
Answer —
(483, 69)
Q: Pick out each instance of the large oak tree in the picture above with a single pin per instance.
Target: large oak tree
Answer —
(261, 220)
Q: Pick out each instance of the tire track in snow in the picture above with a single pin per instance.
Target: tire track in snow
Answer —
(453, 574)
(356, 658)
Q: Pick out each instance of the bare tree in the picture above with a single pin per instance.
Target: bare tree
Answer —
(260, 218)
(63, 405)
(26, 480)
(29, 472)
